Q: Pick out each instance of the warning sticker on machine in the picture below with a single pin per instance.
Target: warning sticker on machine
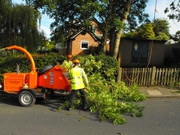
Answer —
(51, 78)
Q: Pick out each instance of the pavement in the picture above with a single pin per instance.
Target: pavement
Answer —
(160, 91)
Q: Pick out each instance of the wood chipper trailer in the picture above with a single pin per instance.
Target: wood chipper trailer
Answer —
(35, 84)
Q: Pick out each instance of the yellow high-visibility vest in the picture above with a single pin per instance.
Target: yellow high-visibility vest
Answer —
(67, 65)
(76, 78)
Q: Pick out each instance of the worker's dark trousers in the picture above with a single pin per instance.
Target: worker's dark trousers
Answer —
(83, 98)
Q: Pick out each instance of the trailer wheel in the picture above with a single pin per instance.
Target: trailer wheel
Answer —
(44, 69)
(26, 99)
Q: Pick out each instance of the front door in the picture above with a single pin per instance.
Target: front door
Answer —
(139, 53)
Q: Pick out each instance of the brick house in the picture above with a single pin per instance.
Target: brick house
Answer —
(83, 41)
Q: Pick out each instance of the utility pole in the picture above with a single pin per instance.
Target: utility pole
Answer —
(155, 10)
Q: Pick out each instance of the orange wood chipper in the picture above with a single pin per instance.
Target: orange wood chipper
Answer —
(35, 84)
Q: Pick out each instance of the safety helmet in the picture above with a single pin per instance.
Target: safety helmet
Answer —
(69, 56)
(76, 61)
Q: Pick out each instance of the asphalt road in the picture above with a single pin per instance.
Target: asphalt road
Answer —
(161, 117)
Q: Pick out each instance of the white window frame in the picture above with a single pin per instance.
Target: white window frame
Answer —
(83, 41)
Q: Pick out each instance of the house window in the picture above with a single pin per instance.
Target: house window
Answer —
(85, 45)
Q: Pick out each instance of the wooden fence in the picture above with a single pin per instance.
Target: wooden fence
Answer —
(149, 76)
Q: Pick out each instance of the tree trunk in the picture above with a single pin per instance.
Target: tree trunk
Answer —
(112, 40)
(119, 33)
(105, 34)
(117, 43)
(104, 41)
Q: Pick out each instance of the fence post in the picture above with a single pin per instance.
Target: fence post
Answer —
(153, 75)
(119, 74)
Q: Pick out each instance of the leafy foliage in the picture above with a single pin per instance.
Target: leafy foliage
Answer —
(147, 31)
(19, 26)
(109, 99)
(161, 25)
(157, 30)
(162, 36)
(173, 10)
(103, 64)
(176, 37)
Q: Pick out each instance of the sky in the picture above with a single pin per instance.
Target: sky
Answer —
(150, 8)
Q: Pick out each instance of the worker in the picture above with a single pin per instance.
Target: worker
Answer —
(77, 77)
(67, 64)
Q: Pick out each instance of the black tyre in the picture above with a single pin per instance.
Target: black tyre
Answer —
(44, 69)
(26, 99)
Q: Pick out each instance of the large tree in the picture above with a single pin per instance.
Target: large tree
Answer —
(176, 36)
(19, 26)
(111, 14)
(173, 10)
(161, 25)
